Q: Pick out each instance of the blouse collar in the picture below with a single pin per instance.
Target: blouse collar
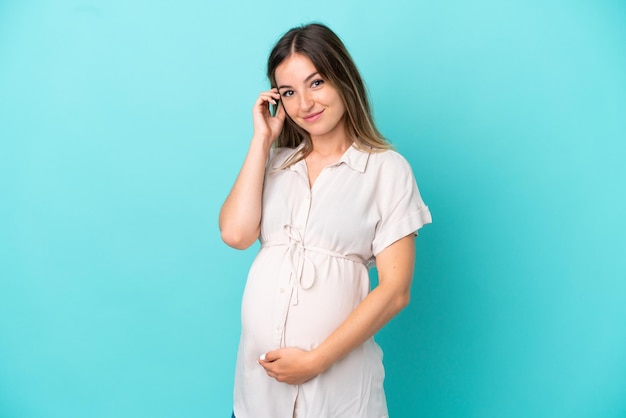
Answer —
(353, 157)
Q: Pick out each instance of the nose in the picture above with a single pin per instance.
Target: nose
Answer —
(306, 101)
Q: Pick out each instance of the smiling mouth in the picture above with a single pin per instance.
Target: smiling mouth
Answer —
(313, 117)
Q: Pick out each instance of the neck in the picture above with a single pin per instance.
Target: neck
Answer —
(325, 149)
(336, 141)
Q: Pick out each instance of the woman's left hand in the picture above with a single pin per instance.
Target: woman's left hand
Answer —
(290, 365)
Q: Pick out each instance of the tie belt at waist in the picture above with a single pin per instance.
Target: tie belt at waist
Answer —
(300, 261)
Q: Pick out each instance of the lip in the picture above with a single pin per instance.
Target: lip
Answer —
(312, 117)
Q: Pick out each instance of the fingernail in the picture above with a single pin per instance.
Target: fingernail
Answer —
(262, 357)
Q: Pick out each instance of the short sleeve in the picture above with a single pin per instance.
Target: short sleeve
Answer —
(401, 209)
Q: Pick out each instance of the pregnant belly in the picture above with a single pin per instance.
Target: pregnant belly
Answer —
(280, 309)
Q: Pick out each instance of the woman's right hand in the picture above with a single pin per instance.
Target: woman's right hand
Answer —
(266, 126)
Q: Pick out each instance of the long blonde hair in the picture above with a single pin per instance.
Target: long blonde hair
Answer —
(332, 60)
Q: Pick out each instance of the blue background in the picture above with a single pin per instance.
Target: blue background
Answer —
(123, 125)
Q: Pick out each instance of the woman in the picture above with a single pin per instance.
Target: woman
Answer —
(326, 196)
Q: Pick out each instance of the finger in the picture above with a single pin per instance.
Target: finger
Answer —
(270, 368)
(271, 97)
(270, 356)
(273, 94)
(262, 105)
(266, 101)
(276, 95)
(263, 99)
(265, 365)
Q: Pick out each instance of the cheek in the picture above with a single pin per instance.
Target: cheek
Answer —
(336, 102)
(290, 109)
(340, 109)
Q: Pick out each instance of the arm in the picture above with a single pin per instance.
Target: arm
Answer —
(395, 270)
(240, 217)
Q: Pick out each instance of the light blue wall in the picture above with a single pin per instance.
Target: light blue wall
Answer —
(122, 127)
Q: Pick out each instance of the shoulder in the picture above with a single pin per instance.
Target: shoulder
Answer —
(389, 155)
(389, 161)
(279, 155)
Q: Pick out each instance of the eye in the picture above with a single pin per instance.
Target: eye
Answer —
(287, 93)
(317, 83)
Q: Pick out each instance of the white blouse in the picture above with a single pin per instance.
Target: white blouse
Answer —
(311, 273)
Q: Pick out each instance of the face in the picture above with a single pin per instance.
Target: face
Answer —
(309, 99)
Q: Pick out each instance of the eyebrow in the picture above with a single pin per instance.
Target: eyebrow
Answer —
(305, 80)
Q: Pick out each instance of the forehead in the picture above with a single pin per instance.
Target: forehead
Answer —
(295, 68)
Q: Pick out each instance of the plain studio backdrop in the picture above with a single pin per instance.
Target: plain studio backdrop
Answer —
(124, 123)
